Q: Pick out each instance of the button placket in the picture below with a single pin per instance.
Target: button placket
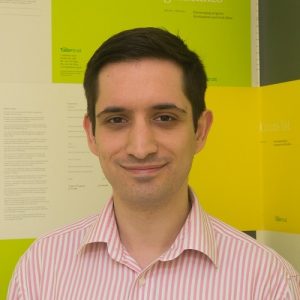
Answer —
(142, 280)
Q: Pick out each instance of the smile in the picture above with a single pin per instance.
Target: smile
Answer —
(144, 169)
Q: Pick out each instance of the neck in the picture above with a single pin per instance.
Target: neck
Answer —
(148, 232)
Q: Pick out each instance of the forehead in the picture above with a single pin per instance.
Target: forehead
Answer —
(143, 61)
(141, 82)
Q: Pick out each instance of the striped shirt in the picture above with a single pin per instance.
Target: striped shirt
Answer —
(209, 260)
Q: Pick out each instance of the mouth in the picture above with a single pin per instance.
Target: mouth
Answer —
(144, 170)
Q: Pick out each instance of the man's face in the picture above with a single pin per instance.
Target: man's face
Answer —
(144, 134)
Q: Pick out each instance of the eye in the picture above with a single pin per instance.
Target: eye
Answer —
(165, 118)
(116, 120)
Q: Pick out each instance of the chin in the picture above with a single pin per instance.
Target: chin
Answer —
(144, 194)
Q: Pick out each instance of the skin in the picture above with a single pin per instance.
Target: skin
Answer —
(145, 141)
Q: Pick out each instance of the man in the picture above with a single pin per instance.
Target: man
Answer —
(146, 120)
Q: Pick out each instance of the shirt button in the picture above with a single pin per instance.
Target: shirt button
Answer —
(142, 281)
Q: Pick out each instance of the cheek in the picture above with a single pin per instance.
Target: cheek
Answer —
(184, 145)
(182, 153)
(108, 147)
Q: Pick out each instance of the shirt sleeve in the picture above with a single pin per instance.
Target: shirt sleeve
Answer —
(24, 284)
(293, 292)
(13, 289)
(292, 281)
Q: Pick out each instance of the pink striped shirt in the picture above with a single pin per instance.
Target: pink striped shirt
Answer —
(208, 260)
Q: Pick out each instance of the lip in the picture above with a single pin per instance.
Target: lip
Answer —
(143, 169)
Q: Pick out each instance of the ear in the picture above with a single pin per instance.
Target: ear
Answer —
(87, 125)
(204, 124)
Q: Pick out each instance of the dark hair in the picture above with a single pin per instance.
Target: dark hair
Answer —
(149, 42)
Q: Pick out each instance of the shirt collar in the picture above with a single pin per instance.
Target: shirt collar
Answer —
(104, 230)
(196, 234)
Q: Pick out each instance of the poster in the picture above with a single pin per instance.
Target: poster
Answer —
(50, 178)
(219, 31)
(25, 31)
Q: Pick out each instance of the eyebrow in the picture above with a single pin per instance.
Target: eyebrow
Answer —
(166, 106)
(120, 109)
(110, 109)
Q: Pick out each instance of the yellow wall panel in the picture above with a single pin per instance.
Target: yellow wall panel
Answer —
(280, 127)
(10, 251)
(226, 175)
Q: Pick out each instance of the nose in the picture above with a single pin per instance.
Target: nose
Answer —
(141, 140)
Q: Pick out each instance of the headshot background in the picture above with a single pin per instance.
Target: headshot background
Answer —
(247, 175)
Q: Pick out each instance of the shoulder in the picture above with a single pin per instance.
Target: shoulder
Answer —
(45, 254)
(77, 228)
(233, 239)
(60, 242)
(66, 241)
(251, 256)
(224, 231)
